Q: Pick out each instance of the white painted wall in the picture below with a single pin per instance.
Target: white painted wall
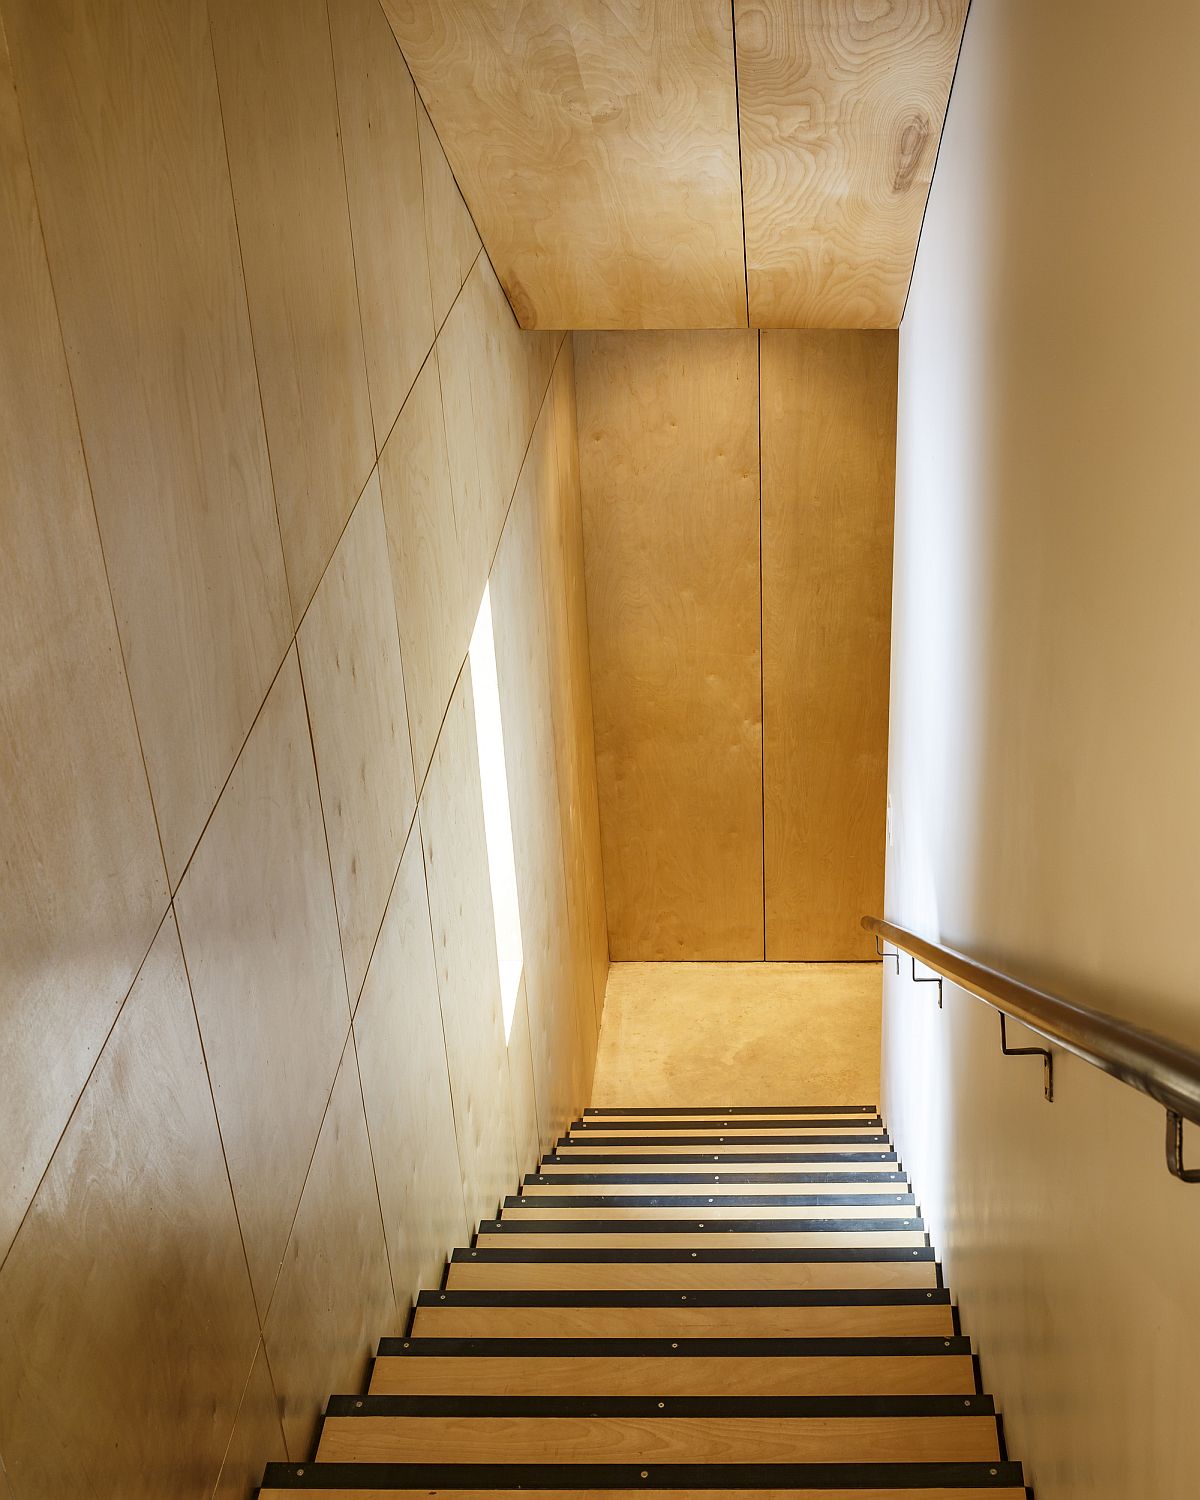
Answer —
(1045, 732)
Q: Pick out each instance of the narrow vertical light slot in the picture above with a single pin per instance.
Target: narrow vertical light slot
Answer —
(489, 739)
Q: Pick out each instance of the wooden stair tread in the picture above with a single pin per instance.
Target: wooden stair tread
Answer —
(646, 1438)
(658, 1367)
(737, 1302)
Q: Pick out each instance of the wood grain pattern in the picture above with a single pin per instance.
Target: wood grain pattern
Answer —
(354, 688)
(841, 109)
(334, 1296)
(449, 230)
(104, 1298)
(828, 486)
(934, 1321)
(406, 1089)
(82, 884)
(124, 129)
(259, 928)
(658, 1440)
(631, 1275)
(619, 122)
(493, 379)
(460, 906)
(257, 1436)
(671, 532)
(695, 1375)
(434, 609)
(279, 105)
(378, 113)
(714, 1210)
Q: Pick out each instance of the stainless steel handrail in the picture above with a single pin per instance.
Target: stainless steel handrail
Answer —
(1162, 1070)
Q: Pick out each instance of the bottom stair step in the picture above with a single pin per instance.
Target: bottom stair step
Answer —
(872, 1481)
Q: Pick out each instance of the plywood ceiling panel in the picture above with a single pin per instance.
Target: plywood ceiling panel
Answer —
(597, 147)
(602, 155)
(841, 104)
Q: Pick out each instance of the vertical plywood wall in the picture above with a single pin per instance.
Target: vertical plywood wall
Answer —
(668, 428)
(267, 425)
(737, 501)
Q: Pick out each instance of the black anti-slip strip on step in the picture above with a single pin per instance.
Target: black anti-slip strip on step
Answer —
(702, 1200)
(739, 1109)
(782, 1139)
(548, 1408)
(824, 1297)
(726, 1154)
(783, 1123)
(696, 1179)
(711, 1255)
(680, 1348)
(701, 1226)
(685, 1477)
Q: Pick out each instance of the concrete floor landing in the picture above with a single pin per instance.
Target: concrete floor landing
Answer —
(729, 1034)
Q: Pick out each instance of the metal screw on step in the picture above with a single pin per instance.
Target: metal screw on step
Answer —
(405, 1344)
(674, 1346)
(442, 1297)
(358, 1405)
(645, 1474)
(693, 1255)
(661, 1405)
(966, 1403)
(993, 1471)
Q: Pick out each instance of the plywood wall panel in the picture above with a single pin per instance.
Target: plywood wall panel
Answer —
(434, 608)
(464, 939)
(406, 1088)
(257, 1436)
(323, 1324)
(81, 873)
(377, 109)
(259, 929)
(828, 481)
(279, 105)
(354, 688)
(619, 122)
(128, 1279)
(122, 115)
(449, 229)
(841, 109)
(668, 448)
(493, 379)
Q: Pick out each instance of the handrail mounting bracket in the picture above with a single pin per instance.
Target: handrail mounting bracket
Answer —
(926, 979)
(1175, 1150)
(1042, 1052)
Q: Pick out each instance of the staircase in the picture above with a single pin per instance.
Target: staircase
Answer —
(738, 1301)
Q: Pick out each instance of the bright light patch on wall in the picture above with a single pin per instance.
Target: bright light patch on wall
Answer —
(489, 738)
